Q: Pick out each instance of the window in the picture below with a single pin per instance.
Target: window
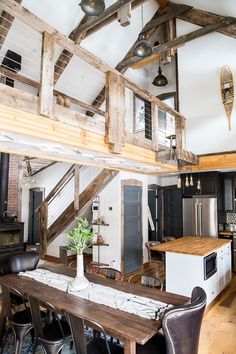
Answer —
(142, 117)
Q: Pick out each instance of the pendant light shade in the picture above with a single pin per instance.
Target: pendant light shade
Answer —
(93, 7)
(160, 79)
(142, 48)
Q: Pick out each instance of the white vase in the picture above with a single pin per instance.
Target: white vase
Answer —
(79, 282)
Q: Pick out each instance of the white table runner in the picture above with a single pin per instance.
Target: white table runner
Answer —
(138, 305)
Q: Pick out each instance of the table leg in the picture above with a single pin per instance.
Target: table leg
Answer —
(2, 323)
(129, 347)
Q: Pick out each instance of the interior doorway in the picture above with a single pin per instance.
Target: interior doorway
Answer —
(155, 207)
(132, 257)
(36, 196)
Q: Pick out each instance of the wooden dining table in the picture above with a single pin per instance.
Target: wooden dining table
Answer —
(129, 328)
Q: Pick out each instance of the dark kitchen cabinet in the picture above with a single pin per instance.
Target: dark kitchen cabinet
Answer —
(229, 192)
(209, 181)
(173, 212)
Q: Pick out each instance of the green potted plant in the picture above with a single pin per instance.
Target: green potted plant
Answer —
(80, 238)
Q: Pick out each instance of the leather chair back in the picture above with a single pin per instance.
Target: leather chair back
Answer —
(181, 325)
(18, 262)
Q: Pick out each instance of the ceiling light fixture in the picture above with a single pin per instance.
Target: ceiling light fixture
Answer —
(93, 7)
(160, 79)
(142, 48)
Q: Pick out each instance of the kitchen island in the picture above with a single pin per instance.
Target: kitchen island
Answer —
(197, 261)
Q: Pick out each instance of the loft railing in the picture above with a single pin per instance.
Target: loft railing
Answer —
(58, 100)
(133, 114)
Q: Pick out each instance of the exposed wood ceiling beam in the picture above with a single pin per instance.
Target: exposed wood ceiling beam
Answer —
(41, 26)
(43, 168)
(110, 19)
(66, 56)
(146, 61)
(6, 21)
(92, 22)
(161, 16)
(168, 13)
(162, 3)
(203, 18)
(176, 42)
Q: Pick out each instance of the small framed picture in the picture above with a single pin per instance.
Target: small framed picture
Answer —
(139, 114)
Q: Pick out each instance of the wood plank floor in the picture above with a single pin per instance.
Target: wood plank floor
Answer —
(218, 333)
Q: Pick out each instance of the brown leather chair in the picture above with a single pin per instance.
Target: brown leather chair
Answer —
(18, 262)
(181, 328)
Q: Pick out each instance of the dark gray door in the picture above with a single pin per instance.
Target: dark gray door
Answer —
(133, 243)
(35, 199)
(173, 212)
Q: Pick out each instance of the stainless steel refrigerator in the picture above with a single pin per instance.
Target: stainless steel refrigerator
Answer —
(200, 216)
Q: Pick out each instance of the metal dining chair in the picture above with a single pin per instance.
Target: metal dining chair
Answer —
(154, 256)
(98, 345)
(147, 280)
(20, 322)
(53, 334)
(110, 273)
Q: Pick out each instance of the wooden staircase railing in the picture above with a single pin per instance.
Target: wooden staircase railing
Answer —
(49, 233)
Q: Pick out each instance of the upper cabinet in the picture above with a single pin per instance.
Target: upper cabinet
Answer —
(206, 183)
(229, 192)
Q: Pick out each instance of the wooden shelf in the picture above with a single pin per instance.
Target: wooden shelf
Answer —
(98, 264)
(100, 244)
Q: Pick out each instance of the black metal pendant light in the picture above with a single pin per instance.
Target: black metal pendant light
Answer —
(160, 79)
(93, 7)
(142, 48)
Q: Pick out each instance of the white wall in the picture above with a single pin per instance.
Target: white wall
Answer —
(200, 62)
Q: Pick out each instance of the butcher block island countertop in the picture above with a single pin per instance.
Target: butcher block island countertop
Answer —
(194, 245)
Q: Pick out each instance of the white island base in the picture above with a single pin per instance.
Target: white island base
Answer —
(185, 271)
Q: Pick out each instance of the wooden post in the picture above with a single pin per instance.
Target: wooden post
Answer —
(76, 184)
(47, 75)
(154, 113)
(124, 15)
(115, 112)
(43, 212)
(180, 132)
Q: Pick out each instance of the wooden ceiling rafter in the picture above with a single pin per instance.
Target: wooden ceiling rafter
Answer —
(150, 29)
(162, 3)
(94, 21)
(6, 21)
(204, 18)
(66, 56)
(181, 40)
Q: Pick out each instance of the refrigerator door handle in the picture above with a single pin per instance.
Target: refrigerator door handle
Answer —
(196, 217)
(200, 219)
